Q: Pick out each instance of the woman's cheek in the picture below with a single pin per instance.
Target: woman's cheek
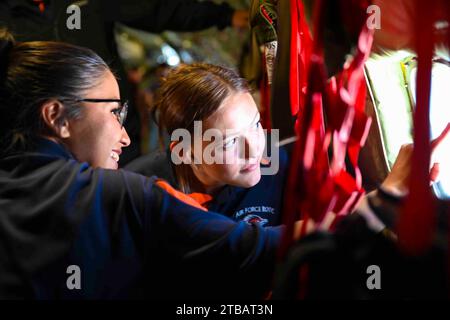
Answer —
(224, 172)
(232, 170)
(262, 143)
(230, 156)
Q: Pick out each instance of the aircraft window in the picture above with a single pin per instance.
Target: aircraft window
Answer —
(439, 116)
(391, 101)
(392, 86)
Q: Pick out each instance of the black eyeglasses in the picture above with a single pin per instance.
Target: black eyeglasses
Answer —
(120, 112)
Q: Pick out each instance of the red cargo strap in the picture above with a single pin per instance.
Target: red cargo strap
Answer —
(316, 183)
(301, 46)
(417, 221)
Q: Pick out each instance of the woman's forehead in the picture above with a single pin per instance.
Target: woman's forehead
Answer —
(106, 88)
(236, 113)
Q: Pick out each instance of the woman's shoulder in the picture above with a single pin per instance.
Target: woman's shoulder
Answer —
(156, 163)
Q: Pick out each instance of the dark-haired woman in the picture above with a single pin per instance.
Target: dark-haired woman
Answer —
(92, 24)
(71, 225)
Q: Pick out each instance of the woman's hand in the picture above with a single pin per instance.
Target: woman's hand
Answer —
(397, 181)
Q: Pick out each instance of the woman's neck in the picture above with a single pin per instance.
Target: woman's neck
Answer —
(208, 188)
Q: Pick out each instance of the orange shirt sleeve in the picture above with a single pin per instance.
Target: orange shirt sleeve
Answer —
(197, 200)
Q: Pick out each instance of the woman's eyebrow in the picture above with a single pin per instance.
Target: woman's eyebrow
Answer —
(257, 116)
(229, 133)
(254, 120)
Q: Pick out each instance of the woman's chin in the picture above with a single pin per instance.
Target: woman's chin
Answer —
(109, 164)
(251, 181)
(113, 165)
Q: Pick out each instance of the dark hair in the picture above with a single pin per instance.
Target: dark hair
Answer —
(32, 73)
(193, 93)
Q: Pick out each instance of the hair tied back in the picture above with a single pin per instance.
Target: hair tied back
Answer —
(6, 45)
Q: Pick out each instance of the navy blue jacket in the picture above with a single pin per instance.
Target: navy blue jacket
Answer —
(261, 203)
(129, 237)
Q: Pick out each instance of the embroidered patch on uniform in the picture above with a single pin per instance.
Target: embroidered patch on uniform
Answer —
(254, 209)
(255, 219)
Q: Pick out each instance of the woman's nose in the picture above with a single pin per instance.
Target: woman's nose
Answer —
(125, 139)
(250, 148)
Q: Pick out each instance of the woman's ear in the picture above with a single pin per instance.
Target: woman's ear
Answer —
(52, 113)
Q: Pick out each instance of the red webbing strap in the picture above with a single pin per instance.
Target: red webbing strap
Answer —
(300, 53)
(447, 43)
(417, 220)
(313, 160)
(357, 89)
(296, 191)
(350, 124)
(295, 50)
(316, 186)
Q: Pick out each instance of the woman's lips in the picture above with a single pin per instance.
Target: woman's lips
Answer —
(250, 167)
(115, 155)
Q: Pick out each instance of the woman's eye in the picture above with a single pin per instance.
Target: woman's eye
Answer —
(229, 143)
(258, 124)
(115, 112)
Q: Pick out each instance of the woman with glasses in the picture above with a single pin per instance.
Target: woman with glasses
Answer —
(70, 227)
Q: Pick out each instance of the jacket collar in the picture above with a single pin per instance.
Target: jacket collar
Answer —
(49, 147)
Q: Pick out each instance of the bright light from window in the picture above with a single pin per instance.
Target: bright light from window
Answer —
(439, 118)
(392, 103)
